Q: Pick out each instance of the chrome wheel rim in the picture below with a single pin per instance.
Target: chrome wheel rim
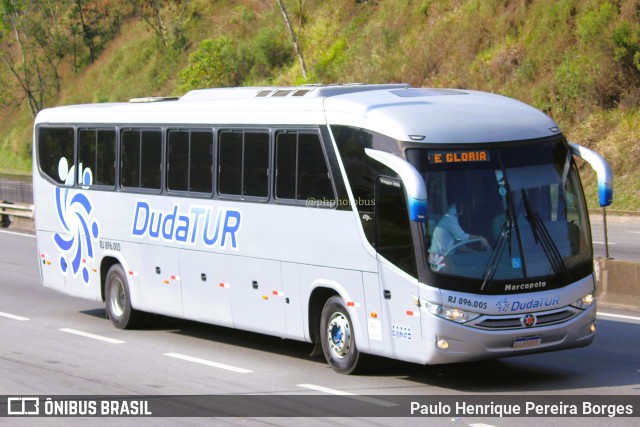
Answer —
(339, 335)
(117, 297)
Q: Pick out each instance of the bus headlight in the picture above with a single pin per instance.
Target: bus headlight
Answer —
(445, 312)
(442, 344)
(584, 302)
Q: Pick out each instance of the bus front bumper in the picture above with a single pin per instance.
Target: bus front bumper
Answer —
(451, 342)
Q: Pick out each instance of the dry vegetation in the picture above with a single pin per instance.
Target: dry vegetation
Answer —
(576, 60)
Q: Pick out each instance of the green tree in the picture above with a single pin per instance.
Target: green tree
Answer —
(626, 39)
(214, 64)
(165, 18)
(293, 35)
(95, 23)
(32, 46)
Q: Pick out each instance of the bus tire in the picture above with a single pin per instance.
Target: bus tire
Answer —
(337, 337)
(118, 300)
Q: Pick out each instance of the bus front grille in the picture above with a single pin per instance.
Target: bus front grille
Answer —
(526, 320)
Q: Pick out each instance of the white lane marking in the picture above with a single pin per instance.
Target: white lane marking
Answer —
(326, 390)
(602, 243)
(13, 316)
(481, 425)
(14, 233)
(618, 316)
(92, 336)
(208, 363)
(346, 393)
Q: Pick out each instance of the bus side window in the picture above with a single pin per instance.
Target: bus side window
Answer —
(96, 156)
(141, 157)
(302, 172)
(190, 161)
(151, 161)
(55, 154)
(201, 162)
(244, 164)
(393, 228)
(313, 172)
(230, 163)
(105, 173)
(286, 155)
(177, 160)
(255, 171)
(130, 158)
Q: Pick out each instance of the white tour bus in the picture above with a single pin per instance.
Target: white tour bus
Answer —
(426, 225)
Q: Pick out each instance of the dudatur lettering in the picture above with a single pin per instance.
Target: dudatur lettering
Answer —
(214, 228)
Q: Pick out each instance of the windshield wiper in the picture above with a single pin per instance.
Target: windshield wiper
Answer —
(544, 239)
(505, 235)
(497, 251)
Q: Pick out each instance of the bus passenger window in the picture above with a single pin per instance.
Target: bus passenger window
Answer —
(141, 157)
(255, 178)
(130, 159)
(301, 169)
(230, 163)
(97, 154)
(178, 160)
(54, 145)
(190, 161)
(105, 173)
(150, 164)
(201, 162)
(286, 154)
(313, 172)
(244, 164)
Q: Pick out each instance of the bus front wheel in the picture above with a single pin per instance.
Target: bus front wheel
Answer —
(337, 337)
(118, 300)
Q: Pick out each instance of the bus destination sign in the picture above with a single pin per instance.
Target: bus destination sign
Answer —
(438, 157)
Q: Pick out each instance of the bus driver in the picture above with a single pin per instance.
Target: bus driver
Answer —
(448, 232)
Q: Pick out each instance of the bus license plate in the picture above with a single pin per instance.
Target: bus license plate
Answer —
(527, 342)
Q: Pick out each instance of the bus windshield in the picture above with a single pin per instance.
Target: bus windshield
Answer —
(503, 213)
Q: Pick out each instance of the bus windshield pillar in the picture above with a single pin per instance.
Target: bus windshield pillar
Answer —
(413, 182)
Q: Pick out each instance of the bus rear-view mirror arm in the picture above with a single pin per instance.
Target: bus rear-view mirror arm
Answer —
(413, 183)
(603, 171)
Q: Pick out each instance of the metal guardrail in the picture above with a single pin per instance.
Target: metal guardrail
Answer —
(16, 202)
(22, 210)
(9, 210)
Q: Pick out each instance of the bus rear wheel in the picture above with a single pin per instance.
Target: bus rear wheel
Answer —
(118, 300)
(337, 337)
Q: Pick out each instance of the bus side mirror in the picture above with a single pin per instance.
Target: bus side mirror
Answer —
(411, 179)
(603, 171)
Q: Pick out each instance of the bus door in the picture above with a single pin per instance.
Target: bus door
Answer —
(400, 320)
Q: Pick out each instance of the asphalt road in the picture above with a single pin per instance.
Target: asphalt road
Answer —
(623, 235)
(52, 344)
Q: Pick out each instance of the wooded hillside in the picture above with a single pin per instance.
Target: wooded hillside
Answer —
(576, 60)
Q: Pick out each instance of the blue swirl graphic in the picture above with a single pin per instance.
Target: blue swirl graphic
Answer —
(81, 230)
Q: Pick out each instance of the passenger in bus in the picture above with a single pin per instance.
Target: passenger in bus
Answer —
(448, 233)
